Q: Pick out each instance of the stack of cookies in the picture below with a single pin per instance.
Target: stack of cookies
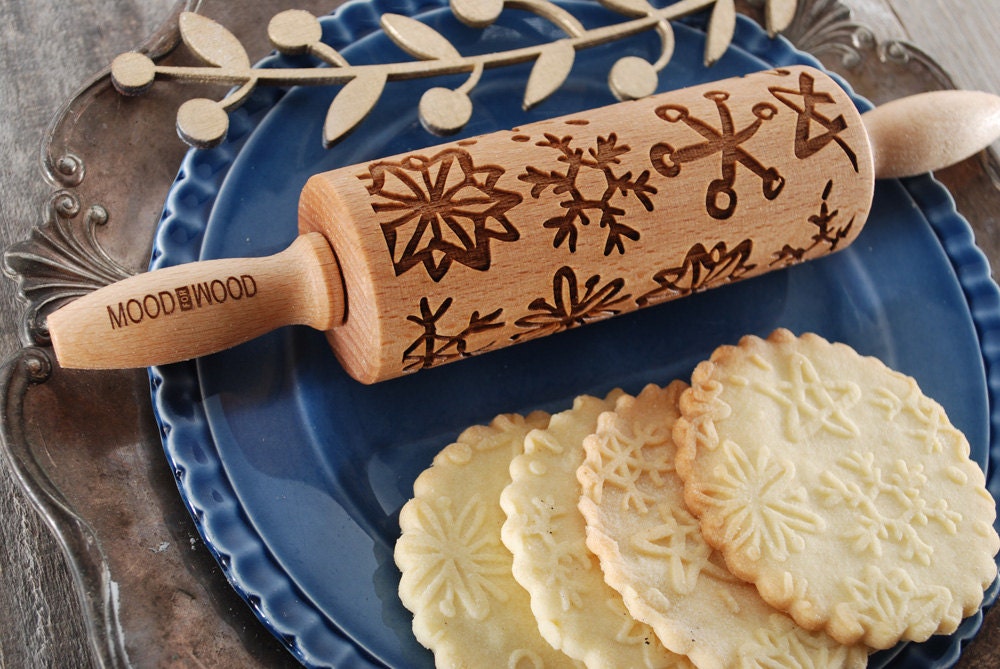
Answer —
(798, 505)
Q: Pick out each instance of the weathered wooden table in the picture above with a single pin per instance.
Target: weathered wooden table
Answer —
(56, 616)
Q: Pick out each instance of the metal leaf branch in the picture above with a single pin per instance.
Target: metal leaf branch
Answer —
(202, 122)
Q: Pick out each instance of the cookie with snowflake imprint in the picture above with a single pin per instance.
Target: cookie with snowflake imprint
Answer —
(651, 551)
(456, 573)
(837, 487)
(574, 608)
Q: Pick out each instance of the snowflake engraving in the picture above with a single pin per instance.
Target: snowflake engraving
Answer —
(888, 506)
(559, 562)
(460, 558)
(602, 159)
(677, 540)
(922, 419)
(621, 461)
(569, 307)
(782, 644)
(879, 601)
(434, 347)
(827, 235)
(727, 141)
(813, 403)
(765, 511)
(701, 269)
(441, 210)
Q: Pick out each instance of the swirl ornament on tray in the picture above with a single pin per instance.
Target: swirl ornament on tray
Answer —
(202, 122)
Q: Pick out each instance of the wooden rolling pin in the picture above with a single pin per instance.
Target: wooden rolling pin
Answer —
(415, 260)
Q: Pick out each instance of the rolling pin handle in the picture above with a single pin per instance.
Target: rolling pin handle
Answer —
(187, 311)
(930, 131)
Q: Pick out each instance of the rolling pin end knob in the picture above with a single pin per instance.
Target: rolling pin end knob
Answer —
(930, 131)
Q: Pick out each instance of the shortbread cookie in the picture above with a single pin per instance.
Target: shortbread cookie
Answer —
(575, 609)
(652, 551)
(837, 487)
(457, 579)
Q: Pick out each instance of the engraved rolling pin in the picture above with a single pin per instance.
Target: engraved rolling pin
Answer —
(419, 259)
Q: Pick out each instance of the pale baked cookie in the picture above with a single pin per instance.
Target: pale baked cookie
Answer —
(652, 551)
(575, 609)
(457, 579)
(837, 487)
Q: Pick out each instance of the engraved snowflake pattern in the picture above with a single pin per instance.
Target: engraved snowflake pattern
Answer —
(677, 540)
(889, 506)
(878, 599)
(459, 558)
(631, 632)
(765, 511)
(560, 560)
(602, 158)
(441, 210)
(784, 646)
(922, 419)
(623, 460)
(813, 403)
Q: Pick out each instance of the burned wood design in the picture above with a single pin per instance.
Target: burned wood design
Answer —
(571, 305)
(701, 268)
(441, 210)
(727, 141)
(602, 157)
(807, 144)
(433, 347)
(826, 234)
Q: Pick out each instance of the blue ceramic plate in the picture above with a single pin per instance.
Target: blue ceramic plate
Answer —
(295, 473)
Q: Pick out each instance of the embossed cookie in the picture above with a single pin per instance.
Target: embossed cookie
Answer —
(837, 487)
(652, 551)
(575, 609)
(457, 579)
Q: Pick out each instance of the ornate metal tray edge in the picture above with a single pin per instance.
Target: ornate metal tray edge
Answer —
(77, 248)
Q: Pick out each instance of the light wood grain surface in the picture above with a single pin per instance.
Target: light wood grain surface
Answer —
(49, 48)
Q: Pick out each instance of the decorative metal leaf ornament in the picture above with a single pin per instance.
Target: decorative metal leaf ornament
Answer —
(351, 105)
(418, 39)
(721, 27)
(551, 68)
(213, 43)
(778, 15)
(202, 122)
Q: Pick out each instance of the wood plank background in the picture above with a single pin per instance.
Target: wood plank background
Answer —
(48, 48)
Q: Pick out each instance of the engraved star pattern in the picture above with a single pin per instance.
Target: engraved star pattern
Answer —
(765, 512)
(460, 557)
(812, 403)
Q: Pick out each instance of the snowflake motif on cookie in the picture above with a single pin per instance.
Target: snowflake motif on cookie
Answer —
(889, 506)
(633, 633)
(460, 555)
(878, 600)
(623, 459)
(924, 419)
(766, 512)
(784, 645)
(678, 542)
(811, 402)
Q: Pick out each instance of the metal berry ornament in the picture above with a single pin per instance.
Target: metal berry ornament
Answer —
(203, 123)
